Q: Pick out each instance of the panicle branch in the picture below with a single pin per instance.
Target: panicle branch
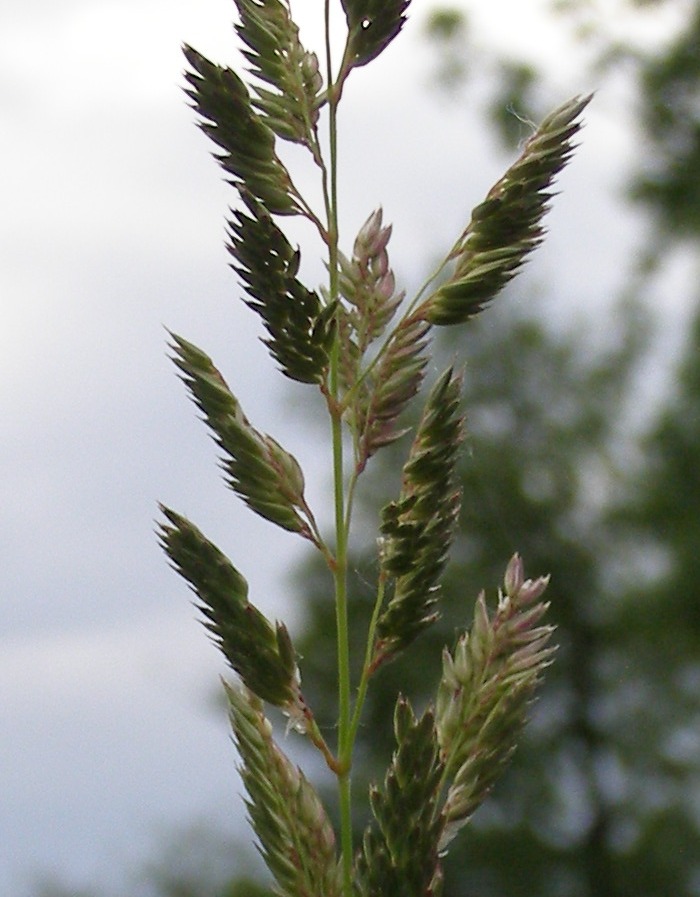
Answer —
(506, 227)
(301, 330)
(248, 143)
(417, 529)
(487, 685)
(296, 837)
(400, 847)
(260, 471)
(384, 393)
(261, 654)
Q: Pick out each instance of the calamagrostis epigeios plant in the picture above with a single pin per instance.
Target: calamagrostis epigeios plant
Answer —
(365, 346)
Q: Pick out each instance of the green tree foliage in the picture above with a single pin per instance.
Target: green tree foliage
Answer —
(669, 499)
(669, 83)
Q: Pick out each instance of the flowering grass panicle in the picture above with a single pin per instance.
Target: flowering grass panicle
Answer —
(364, 346)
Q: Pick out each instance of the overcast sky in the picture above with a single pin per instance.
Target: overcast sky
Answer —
(111, 222)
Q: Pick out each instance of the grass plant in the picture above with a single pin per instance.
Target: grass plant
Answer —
(365, 346)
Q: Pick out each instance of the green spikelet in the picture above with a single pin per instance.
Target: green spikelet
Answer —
(400, 847)
(296, 838)
(418, 528)
(300, 329)
(506, 227)
(265, 476)
(228, 118)
(486, 687)
(261, 654)
(279, 61)
(386, 392)
(372, 26)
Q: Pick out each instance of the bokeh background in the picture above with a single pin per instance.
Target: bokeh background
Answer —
(116, 769)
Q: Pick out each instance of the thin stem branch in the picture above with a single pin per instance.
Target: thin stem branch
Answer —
(316, 738)
(367, 668)
(350, 498)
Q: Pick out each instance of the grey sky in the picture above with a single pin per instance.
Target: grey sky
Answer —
(111, 227)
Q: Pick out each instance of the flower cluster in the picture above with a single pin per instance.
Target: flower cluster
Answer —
(365, 348)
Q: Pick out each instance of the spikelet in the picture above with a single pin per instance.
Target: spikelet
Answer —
(400, 847)
(296, 838)
(372, 26)
(260, 653)
(259, 470)
(506, 227)
(417, 529)
(379, 393)
(367, 282)
(486, 687)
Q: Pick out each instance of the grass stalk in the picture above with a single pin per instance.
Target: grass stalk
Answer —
(341, 525)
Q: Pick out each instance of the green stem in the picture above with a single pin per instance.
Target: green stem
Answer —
(343, 647)
(341, 527)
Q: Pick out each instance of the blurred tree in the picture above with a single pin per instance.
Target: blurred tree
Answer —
(663, 72)
(669, 183)
(667, 506)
